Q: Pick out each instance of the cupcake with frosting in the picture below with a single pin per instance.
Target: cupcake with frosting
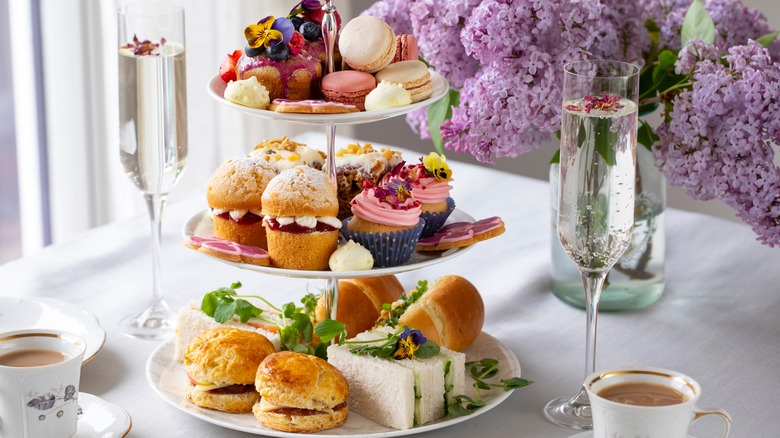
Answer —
(386, 220)
(356, 163)
(430, 184)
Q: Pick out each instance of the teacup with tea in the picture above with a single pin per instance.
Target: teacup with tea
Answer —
(39, 376)
(647, 402)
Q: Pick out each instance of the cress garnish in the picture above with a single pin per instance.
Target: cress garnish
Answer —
(391, 312)
(480, 372)
(295, 324)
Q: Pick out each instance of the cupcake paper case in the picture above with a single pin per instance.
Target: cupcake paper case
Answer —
(386, 220)
(435, 220)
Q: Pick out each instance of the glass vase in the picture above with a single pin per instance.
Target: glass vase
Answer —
(637, 279)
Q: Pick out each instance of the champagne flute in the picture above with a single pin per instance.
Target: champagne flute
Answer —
(153, 129)
(596, 192)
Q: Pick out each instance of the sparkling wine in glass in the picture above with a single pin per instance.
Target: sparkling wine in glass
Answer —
(596, 198)
(152, 129)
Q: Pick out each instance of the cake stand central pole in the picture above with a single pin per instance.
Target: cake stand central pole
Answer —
(329, 31)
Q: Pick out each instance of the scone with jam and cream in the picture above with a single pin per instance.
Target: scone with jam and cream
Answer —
(234, 194)
(299, 209)
(283, 153)
(357, 163)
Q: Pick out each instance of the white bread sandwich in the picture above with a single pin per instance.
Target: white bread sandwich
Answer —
(221, 365)
(300, 393)
(192, 321)
(399, 393)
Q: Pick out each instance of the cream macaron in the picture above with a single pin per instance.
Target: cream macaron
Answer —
(412, 75)
(367, 44)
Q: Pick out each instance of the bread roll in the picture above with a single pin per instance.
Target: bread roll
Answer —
(450, 313)
(360, 301)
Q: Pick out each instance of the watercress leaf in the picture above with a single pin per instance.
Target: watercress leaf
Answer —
(225, 310)
(328, 329)
(321, 351)
(428, 349)
(515, 382)
(209, 304)
(309, 302)
(697, 24)
(456, 410)
(288, 310)
(489, 362)
(289, 337)
(767, 39)
(235, 285)
(481, 385)
(246, 310)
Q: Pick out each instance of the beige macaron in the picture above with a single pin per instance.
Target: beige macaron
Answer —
(412, 75)
(367, 44)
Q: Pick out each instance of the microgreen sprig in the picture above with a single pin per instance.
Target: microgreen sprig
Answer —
(479, 372)
(391, 312)
(295, 325)
(388, 346)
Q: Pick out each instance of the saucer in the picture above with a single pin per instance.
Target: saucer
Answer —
(589, 434)
(100, 419)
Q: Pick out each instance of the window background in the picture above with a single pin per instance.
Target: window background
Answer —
(10, 226)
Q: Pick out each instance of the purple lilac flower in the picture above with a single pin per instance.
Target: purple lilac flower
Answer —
(437, 27)
(622, 35)
(418, 122)
(718, 143)
(394, 12)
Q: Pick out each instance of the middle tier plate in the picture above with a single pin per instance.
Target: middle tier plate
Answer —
(201, 225)
(216, 89)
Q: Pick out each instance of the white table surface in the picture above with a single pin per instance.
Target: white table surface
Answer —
(718, 321)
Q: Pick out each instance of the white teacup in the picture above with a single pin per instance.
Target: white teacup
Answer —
(620, 420)
(38, 401)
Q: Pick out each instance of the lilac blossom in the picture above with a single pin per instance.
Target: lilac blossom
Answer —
(394, 12)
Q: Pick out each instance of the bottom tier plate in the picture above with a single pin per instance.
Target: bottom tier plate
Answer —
(168, 378)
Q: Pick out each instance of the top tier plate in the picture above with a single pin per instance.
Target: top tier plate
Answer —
(216, 89)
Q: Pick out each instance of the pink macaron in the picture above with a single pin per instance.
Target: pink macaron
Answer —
(406, 48)
(348, 87)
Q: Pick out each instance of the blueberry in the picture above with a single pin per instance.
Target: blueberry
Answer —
(250, 52)
(310, 31)
(296, 21)
(279, 52)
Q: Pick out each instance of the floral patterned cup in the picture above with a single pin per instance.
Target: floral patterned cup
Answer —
(618, 420)
(40, 401)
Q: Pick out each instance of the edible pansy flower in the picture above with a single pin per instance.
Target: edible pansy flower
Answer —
(409, 341)
(263, 34)
(437, 166)
(305, 5)
(402, 190)
(286, 27)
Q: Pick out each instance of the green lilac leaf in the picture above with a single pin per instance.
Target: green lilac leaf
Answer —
(645, 135)
(582, 135)
(697, 24)
(665, 65)
(605, 140)
(557, 157)
(438, 112)
(767, 39)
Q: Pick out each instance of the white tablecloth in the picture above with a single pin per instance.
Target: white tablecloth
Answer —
(717, 321)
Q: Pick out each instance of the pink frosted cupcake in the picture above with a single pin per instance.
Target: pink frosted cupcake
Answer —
(430, 184)
(386, 220)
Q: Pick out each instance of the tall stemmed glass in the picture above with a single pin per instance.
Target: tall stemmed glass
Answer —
(596, 195)
(152, 129)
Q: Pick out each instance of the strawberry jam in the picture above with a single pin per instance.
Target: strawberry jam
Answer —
(247, 219)
(297, 229)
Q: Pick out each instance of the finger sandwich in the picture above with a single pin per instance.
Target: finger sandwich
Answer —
(399, 393)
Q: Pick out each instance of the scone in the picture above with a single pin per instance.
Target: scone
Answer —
(356, 163)
(234, 194)
(283, 153)
(221, 364)
(300, 393)
(299, 209)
